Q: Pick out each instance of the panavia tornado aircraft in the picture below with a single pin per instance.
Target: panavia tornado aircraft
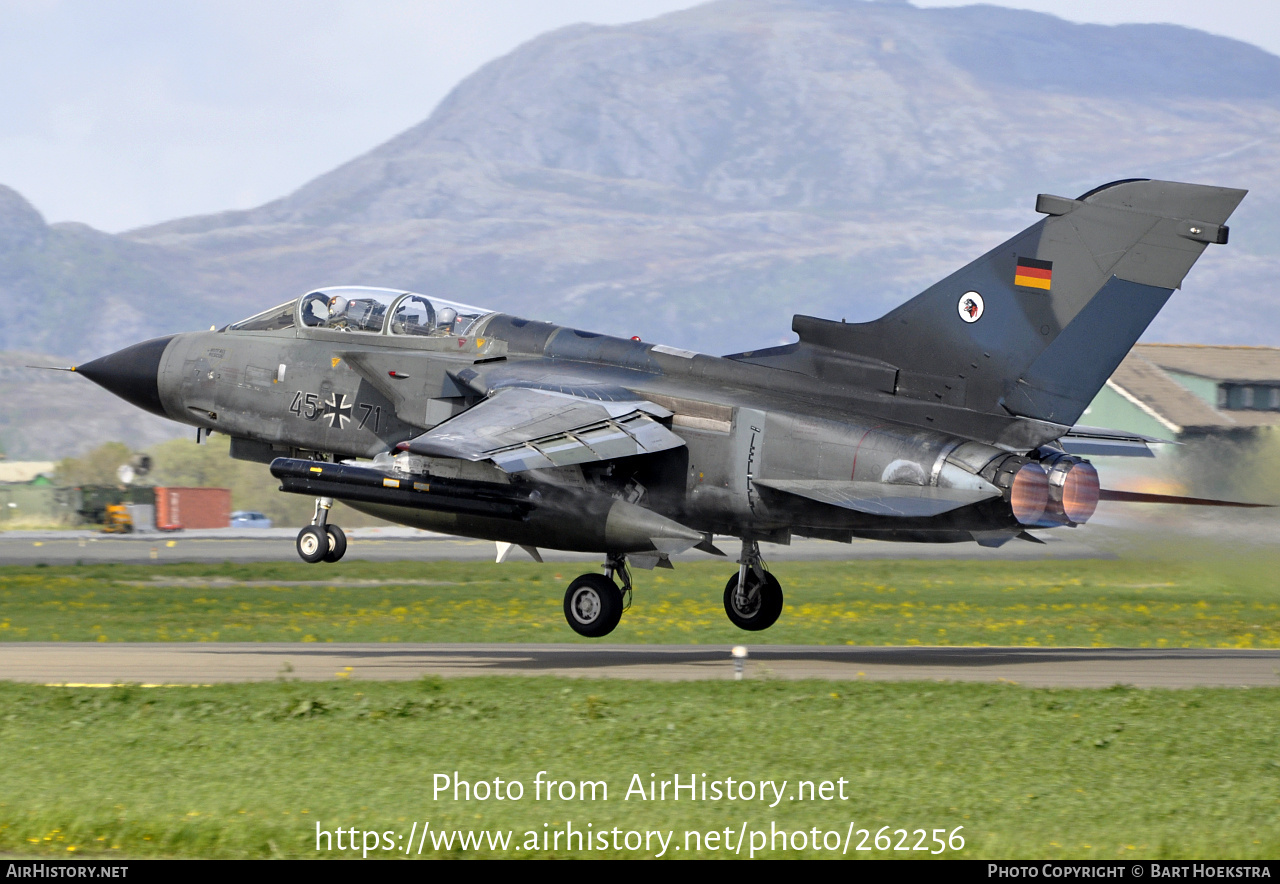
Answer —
(952, 418)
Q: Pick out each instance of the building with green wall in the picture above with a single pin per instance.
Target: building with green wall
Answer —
(1186, 391)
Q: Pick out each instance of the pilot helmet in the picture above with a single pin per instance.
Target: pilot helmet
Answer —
(337, 306)
(446, 316)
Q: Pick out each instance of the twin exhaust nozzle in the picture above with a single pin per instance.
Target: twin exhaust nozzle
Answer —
(1057, 490)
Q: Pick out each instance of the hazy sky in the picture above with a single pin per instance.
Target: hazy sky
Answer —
(130, 112)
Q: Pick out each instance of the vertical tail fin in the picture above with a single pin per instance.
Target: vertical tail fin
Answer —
(1035, 327)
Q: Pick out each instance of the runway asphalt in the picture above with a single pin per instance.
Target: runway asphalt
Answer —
(98, 664)
(206, 663)
(401, 544)
(1114, 530)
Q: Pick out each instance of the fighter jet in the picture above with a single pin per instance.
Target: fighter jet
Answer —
(952, 418)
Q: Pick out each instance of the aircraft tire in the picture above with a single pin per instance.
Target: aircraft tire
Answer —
(593, 605)
(761, 606)
(337, 543)
(313, 544)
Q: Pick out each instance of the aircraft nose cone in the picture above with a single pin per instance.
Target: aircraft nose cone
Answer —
(131, 373)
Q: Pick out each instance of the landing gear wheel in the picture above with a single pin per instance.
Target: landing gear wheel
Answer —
(337, 543)
(313, 544)
(756, 607)
(593, 605)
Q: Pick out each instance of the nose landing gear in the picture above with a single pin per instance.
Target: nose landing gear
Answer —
(320, 541)
(753, 596)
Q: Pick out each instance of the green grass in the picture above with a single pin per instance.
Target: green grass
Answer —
(249, 770)
(1184, 601)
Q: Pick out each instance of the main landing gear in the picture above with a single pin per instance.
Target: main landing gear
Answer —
(753, 596)
(320, 541)
(593, 604)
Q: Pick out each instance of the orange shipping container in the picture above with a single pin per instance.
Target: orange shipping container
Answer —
(193, 508)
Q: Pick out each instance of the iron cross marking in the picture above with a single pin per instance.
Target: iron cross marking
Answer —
(337, 413)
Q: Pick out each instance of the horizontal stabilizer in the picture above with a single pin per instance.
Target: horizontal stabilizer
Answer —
(522, 428)
(1142, 497)
(879, 499)
(1103, 442)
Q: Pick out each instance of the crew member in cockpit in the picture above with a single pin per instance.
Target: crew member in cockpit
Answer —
(445, 318)
(337, 312)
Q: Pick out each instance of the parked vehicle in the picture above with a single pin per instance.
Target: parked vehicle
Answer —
(249, 519)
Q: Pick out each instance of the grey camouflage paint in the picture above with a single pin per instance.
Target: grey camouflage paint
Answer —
(901, 428)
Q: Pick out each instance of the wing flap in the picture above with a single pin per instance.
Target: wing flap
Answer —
(525, 428)
(879, 499)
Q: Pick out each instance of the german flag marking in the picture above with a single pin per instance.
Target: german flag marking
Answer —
(1034, 273)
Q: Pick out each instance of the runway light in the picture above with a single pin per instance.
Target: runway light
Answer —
(739, 660)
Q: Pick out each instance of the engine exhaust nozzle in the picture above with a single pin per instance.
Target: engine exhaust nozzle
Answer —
(1025, 485)
(1073, 487)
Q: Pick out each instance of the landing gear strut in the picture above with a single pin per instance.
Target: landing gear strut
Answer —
(593, 603)
(320, 541)
(753, 596)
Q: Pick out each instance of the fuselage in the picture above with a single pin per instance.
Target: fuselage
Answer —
(950, 418)
(345, 394)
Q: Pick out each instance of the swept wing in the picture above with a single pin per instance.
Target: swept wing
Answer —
(526, 428)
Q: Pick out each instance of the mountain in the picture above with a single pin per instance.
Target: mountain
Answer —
(75, 290)
(699, 177)
(748, 159)
(48, 415)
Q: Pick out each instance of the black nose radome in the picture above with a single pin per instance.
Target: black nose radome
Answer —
(131, 373)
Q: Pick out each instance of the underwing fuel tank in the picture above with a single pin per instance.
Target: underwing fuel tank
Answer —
(538, 514)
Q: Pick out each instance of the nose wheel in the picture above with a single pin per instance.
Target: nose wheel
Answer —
(753, 596)
(313, 544)
(320, 541)
(337, 543)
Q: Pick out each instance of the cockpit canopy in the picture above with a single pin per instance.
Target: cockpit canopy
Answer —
(371, 311)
